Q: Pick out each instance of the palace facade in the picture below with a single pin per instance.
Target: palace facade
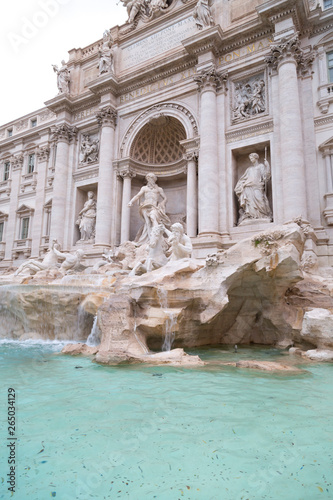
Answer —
(187, 90)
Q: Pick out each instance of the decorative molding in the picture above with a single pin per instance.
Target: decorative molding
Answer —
(16, 162)
(126, 172)
(250, 131)
(86, 173)
(323, 121)
(107, 116)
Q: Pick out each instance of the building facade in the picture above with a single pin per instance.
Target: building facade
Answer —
(187, 90)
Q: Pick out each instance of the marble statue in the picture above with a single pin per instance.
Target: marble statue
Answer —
(63, 77)
(71, 260)
(251, 191)
(156, 255)
(87, 218)
(202, 14)
(89, 149)
(133, 8)
(249, 99)
(107, 258)
(152, 208)
(105, 64)
(180, 243)
(155, 5)
(49, 261)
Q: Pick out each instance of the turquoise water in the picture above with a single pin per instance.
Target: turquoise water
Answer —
(131, 432)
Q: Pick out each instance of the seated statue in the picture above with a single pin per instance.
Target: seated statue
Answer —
(49, 261)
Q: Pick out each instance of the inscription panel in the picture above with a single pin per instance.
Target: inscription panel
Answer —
(158, 43)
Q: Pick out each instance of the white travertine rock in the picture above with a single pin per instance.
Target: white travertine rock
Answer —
(317, 328)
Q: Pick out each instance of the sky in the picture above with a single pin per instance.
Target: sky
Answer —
(34, 34)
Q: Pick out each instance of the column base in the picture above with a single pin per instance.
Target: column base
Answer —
(205, 244)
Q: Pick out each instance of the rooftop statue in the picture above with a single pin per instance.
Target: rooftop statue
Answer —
(152, 207)
(105, 64)
(63, 77)
(202, 14)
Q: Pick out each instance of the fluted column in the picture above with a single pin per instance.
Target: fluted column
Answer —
(107, 121)
(63, 134)
(208, 179)
(285, 58)
(192, 195)
(127, 175)
(16, 164)
(37, 230)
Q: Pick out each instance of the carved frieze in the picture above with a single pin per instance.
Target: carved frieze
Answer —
(249, 97)
(89, 149)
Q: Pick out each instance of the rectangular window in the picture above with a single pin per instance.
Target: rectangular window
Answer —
(31, 164)
(330, 66)
(6, 171)
(10, 132)
(328, 4)
(25, 228)
(34, 122)
(2, 224)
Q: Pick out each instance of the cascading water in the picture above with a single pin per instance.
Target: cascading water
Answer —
(141, 344)
(95, 334)
(170, 322)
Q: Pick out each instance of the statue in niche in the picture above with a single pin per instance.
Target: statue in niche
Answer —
(251, 191)
(180, 244)
(202, 15)
(63, 77)
(87, 219)
(249, 99)
(105, 64)
(152, 208)
(89, 149)
(49, 261)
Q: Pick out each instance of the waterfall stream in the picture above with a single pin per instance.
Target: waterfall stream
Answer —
(171, 320)
(95, 334)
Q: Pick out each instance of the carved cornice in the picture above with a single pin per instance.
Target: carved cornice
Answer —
(64, 132)
(106, 116)
(43, 153)
(210, 79)
(290, 50)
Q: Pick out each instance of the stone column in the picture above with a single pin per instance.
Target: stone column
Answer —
(107, 121)
(42, 155)
(16, 164)
(208, 179)
(285, 57)
(192, 195)
(63, 134)
(127, 176)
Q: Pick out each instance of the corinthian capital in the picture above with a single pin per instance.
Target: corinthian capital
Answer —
(126, 172)
(16, 161)
(64, 132)
(106, 116)
(191, 156)
(210, 79)
(289, 49)
(43, 153)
